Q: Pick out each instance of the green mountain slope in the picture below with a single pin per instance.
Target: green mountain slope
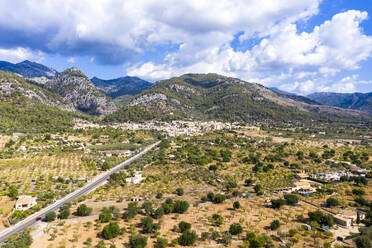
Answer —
(359, 101)
(212, 96)
(28, 108)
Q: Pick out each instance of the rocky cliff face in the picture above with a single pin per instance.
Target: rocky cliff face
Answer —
(13, 85)
(74, 86)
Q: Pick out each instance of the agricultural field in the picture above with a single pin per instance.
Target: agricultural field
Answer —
(50, 166)
(234, 184)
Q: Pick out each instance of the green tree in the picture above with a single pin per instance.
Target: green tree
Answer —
(235, 229)
(111, 230)
(138, 241)
(332, 202)
(50, 216)
(161, 243)
(148, 225)
(187, 238)
(83, 210)
(184, 226)
(180, 207)
(236, 205)
(275, 224)
(291, 199)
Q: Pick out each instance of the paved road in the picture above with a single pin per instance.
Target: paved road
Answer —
(92, 184)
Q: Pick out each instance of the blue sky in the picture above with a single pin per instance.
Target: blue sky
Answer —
(299, 46)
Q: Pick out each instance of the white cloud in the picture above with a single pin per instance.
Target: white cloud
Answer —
(18, 54)
(71, 60)
(120, 31)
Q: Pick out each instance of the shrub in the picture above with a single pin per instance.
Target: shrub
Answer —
(258, 189)
(64, 214)
(184, 226)
(159, 212)
(226, 238)
(83, 210)
(248, 182)
(147, 206)
(275, 224)
(291, 199)
(219, 198)
(180, 207)
(51, 216)
(217, 219)
(132, 210)
(180, 191)
(236, 205)
(110, 231)
(332, 202)
(138, 241)
(362, 242)
(235, 229)
(187, 238)
(159, 195)
(161, 243)
(148, 225)
(105, 216)
(277, 203)
(358, 192)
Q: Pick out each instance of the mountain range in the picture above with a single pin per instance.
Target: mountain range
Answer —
(28, 69)
(190, 96)
(213, 96)
(359, 101)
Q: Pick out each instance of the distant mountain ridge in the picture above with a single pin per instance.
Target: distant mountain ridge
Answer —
(29, 69)
(121, 87)
(213, 96)
(358, 101)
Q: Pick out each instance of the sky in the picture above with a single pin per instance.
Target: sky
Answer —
(298, 46)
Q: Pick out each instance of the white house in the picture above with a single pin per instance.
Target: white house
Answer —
(25, 202)
(136, 179)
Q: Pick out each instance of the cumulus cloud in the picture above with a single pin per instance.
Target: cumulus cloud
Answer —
(15, 55)
(117, 31)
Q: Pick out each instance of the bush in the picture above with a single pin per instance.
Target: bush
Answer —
(275, 224)
(219, 198)
(362, 242)
(235, 229)
(138, 241)
(159, 212)
(236, 205)
(358, 192)
(110, 231)
(226, 238)
(51, 216)
(217, 219)
(184, 226)
(22, 240)
(291, 199)
(147, 206)
(83, 210)
(148, 225)
(159, 195)
(161, 243)
(64, 214)
(180, 207)
(187, 238)
(332, 202)
(180, 191)
(132, 210)
(248, 182)
(105, 216)
(278, 203)
(258, 189)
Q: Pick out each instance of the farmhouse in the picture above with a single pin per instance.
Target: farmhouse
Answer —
(25, 202)
(136, 179)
